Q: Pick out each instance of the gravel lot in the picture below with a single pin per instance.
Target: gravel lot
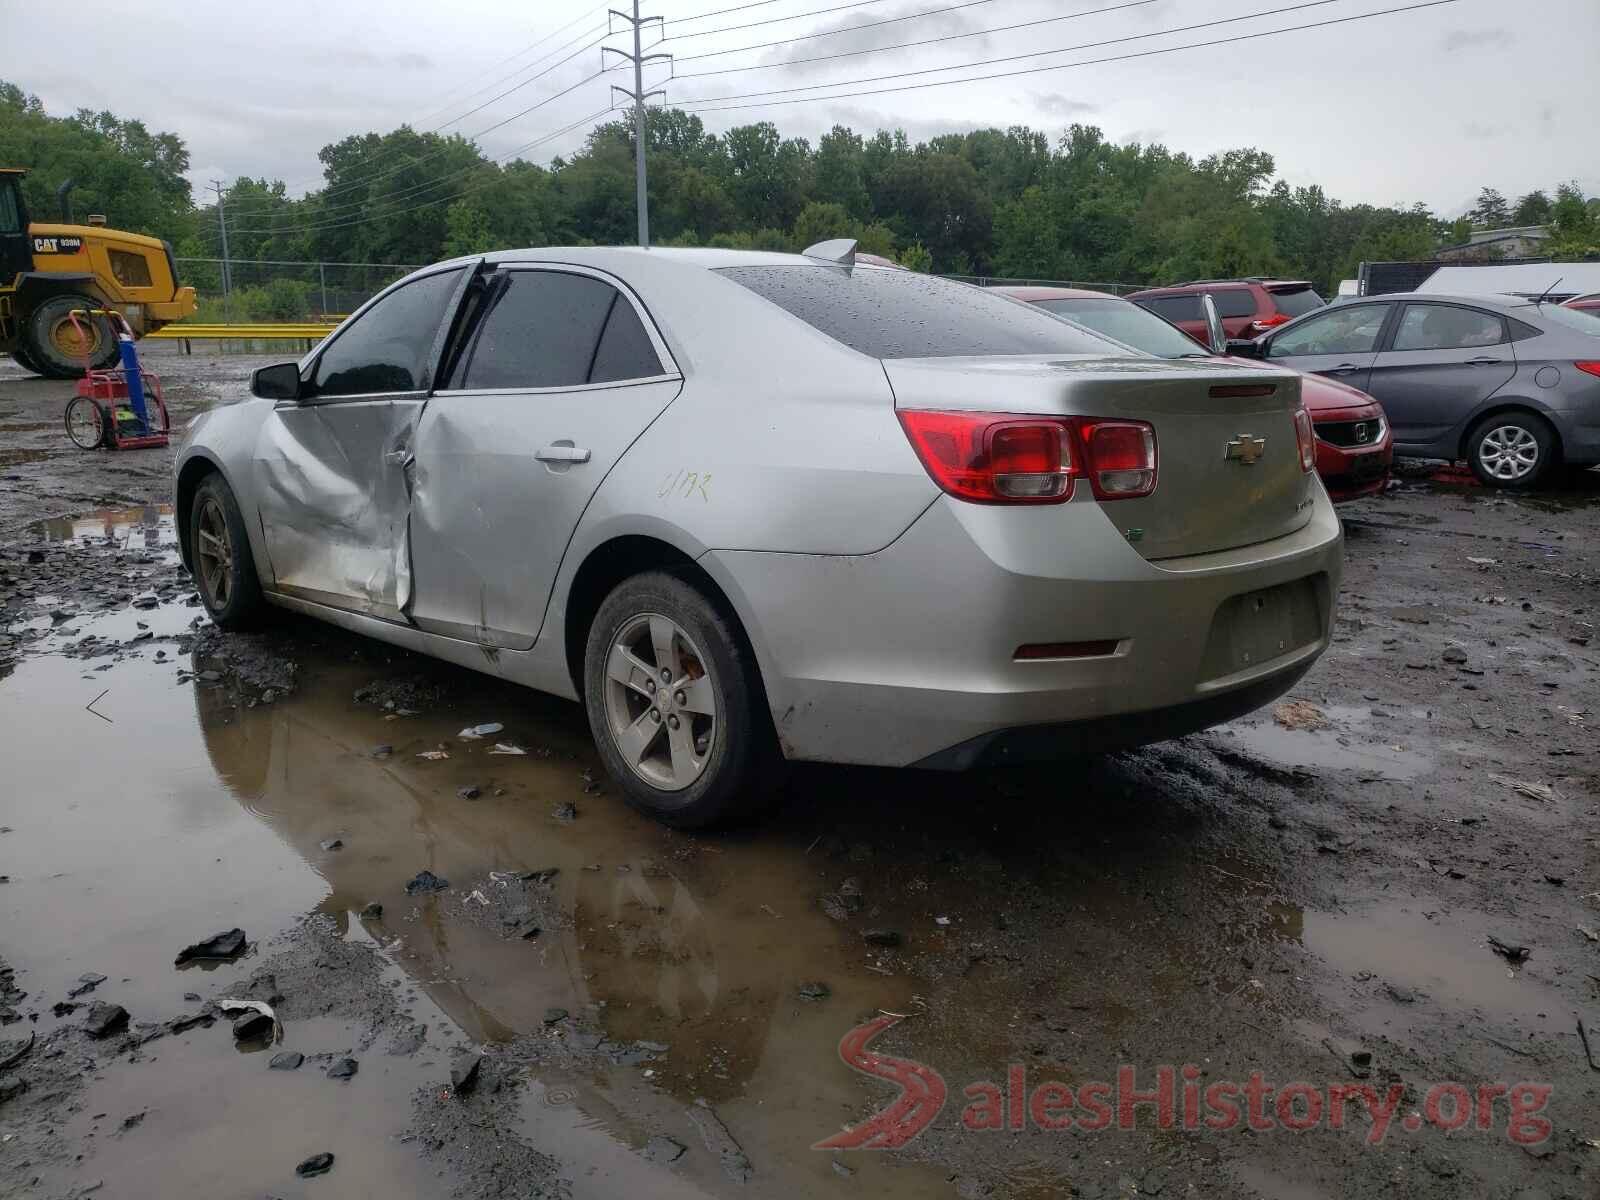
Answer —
(1392, 881)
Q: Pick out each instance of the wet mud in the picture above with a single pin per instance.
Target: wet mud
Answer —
(577, 1002)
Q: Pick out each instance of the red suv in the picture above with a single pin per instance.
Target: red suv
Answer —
(1248, 307)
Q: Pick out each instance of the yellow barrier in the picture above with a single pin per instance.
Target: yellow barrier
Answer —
(184, 331)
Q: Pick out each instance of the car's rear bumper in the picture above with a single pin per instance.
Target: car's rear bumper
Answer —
(892, 658)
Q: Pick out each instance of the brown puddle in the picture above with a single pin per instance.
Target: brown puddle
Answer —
(1351, 744)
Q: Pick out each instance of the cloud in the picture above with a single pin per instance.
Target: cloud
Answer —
(846, 36)
(1480, 132)
(404, 60)
(1471, 39)
(1054, 104)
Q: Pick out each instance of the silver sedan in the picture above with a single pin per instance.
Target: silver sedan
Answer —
(751, 507)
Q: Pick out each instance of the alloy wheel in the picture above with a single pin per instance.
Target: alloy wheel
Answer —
(660, 701)
(214, 553)
(1508, 452)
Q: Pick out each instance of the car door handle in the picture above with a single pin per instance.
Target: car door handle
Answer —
(1484, 362)
(561, 454)
(397, 458)
(1345, 368)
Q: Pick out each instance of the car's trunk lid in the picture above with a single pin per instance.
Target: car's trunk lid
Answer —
(1228, 463)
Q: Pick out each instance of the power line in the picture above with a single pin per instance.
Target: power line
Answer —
(385, 216)
(444, 180)
(948, 37)
(716, 103)
(815, 12)
(722, 12)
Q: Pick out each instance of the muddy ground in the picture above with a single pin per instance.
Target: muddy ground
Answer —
(590, 1005)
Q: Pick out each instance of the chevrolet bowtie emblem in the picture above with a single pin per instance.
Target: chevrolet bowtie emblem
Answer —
(1246, 449)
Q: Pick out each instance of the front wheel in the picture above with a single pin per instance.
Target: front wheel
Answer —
(219, 553)
(675, 702)
(1512, 450)
(56, 347)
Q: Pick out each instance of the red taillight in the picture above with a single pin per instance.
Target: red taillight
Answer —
(1591, 368)
(1011, 458)
(1307, 437)
(1266, 323)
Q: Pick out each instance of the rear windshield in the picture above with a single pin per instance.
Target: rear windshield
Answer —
(904, 314)
(1586, 320)
(1297, 302)
(1128, 323)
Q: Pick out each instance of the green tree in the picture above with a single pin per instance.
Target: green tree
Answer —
(466, 230)
(1490, 210)
(915, 257)
(1532, 209)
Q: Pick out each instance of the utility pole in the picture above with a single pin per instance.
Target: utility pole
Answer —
(227, 269)
(638, 95)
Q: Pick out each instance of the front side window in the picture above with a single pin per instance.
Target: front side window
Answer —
(554, 329)
(1347, 329)
(1441, 327)
(889, 313)
(1174, 308)
(386, 349)
(1128, 323)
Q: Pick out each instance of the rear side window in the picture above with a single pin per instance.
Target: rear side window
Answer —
(1235, 302)
(10, 217)
(1297, 302)
(1441, 327)
(552, 329)
(386, 349)
(1174, 308)
(889, 313)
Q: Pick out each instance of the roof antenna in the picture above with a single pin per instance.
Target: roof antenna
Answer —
(840, 250)
(1549, 289)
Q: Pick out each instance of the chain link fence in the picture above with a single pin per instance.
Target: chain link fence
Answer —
(239, 290)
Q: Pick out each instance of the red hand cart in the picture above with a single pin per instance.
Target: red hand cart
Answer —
(119, 409)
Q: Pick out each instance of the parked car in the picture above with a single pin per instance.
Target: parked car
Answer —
(1247, 306)
(1510, 385)
(752, 506)
(1589, 303)
(1354, 446)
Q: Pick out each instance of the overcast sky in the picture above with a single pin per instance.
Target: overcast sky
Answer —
(1427, 105)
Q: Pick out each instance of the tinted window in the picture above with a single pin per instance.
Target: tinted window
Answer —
(552, 329)
(1345, 329)
(1235, 302)
(1297, 302)
(1439, 327)
(387, 347)
(625, 351)
(1174, 308)
(890, 313)
(10, 218)
(1128, 323)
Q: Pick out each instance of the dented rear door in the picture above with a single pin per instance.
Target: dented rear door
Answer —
(331, 467)
(561, 373)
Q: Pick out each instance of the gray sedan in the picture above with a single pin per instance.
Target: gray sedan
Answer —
(748, 507)
(1510, 385)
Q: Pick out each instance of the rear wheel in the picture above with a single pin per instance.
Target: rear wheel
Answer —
(56, 348)
(219, 553)
(1512, 450)
(19, 354)
(675, 702)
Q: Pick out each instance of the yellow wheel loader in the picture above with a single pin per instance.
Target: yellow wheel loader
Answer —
(48, 270)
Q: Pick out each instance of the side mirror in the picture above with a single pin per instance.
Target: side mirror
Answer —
(1247, 349)
(280, 381)
(1216, 336)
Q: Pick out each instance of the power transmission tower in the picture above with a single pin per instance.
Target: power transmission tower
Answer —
(227, 269)
(638, 95)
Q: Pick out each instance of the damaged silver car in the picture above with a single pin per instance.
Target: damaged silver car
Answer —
(749, 507)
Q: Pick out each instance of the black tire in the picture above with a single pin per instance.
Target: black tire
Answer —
(1504, 444)
(87, 424)
(739, 756)
(229, 586)
(19, 354)
(44, 323)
